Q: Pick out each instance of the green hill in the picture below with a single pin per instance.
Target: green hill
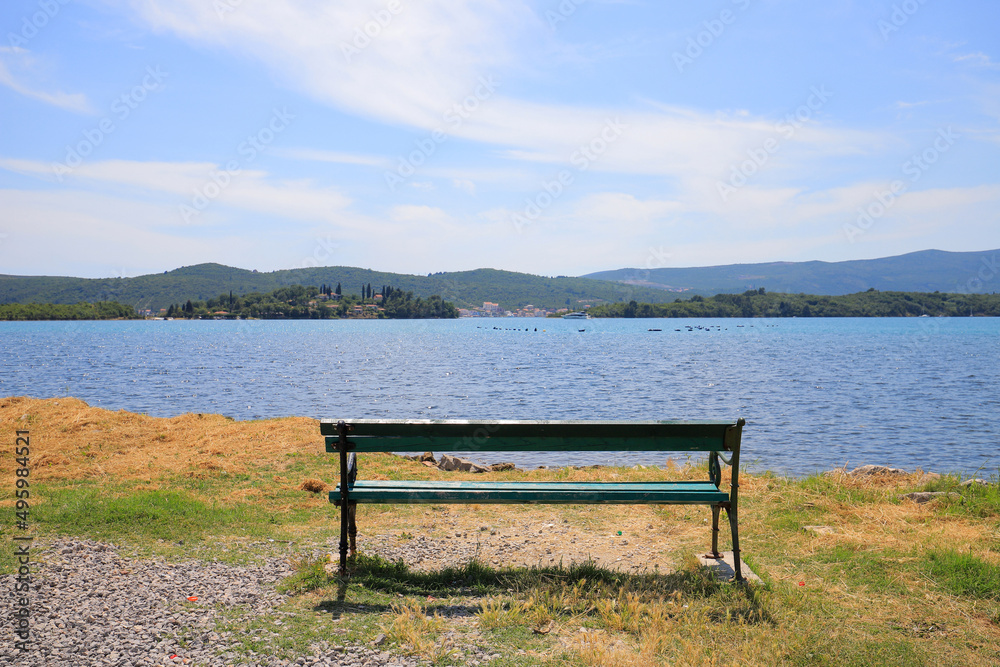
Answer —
(924, 271)
(760, 303)
(204, 281)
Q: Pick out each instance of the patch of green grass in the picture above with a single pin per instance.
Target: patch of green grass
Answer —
(964, 574)
(309, 575)
(128, 516)
(821, 650)
(978, 500)
(827, 487)
(875, 570)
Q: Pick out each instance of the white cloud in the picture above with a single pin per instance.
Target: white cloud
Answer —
(405, 70)
(86, 234)
(433, 55)
(417, 214)
(978, 59)
(623, 208)
(26, 65)
(174, 184)
(465, 185)
(316, 155)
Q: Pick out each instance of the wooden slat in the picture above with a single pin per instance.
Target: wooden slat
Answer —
(593, 487)
(570, 493)
(487, 429)
(530, 444)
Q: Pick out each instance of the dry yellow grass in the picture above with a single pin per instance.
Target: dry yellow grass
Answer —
(72, 440)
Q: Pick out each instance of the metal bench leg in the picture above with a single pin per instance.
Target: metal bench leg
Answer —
(344, 523)
(352, 528)
(715, 531)
(733, 526)
(345, 510)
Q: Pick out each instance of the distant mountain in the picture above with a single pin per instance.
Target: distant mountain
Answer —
(924, 271)
(203, 281)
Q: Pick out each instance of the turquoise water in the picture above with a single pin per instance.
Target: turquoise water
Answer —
(816, 393)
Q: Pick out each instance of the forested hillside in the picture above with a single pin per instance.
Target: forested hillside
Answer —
(760, 303)
(205, 281)
(101, 310)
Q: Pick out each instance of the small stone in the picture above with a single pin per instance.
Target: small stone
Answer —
(975, 482)
(921, 497)
(820, 530)
(872, 470)
(454, 463)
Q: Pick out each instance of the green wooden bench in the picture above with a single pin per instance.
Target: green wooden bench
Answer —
(350, 437)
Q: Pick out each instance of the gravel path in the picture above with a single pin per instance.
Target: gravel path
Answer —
(90, 606)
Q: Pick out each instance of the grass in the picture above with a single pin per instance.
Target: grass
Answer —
(965, 575)
(887, 581)
(167, 515)
(516, 607)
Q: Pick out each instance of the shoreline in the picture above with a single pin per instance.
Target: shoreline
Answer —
(69, 415)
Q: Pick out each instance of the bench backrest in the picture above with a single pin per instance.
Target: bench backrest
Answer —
(459, 435)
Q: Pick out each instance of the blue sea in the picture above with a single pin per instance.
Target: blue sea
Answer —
(816, 393)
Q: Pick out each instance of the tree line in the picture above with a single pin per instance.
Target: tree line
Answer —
(99, 310)
(325, 302)
(760, 303)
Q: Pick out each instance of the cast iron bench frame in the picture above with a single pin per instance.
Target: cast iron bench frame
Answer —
(349, 437)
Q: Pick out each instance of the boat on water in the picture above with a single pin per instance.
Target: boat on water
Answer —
(576, 316)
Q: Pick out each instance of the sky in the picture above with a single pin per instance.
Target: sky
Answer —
(557, 137)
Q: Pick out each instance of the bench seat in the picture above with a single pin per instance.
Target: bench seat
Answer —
(541, 493)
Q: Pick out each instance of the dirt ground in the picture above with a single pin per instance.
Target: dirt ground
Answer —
(537, 535)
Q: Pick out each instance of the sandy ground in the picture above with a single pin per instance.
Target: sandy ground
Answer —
(541, 536)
